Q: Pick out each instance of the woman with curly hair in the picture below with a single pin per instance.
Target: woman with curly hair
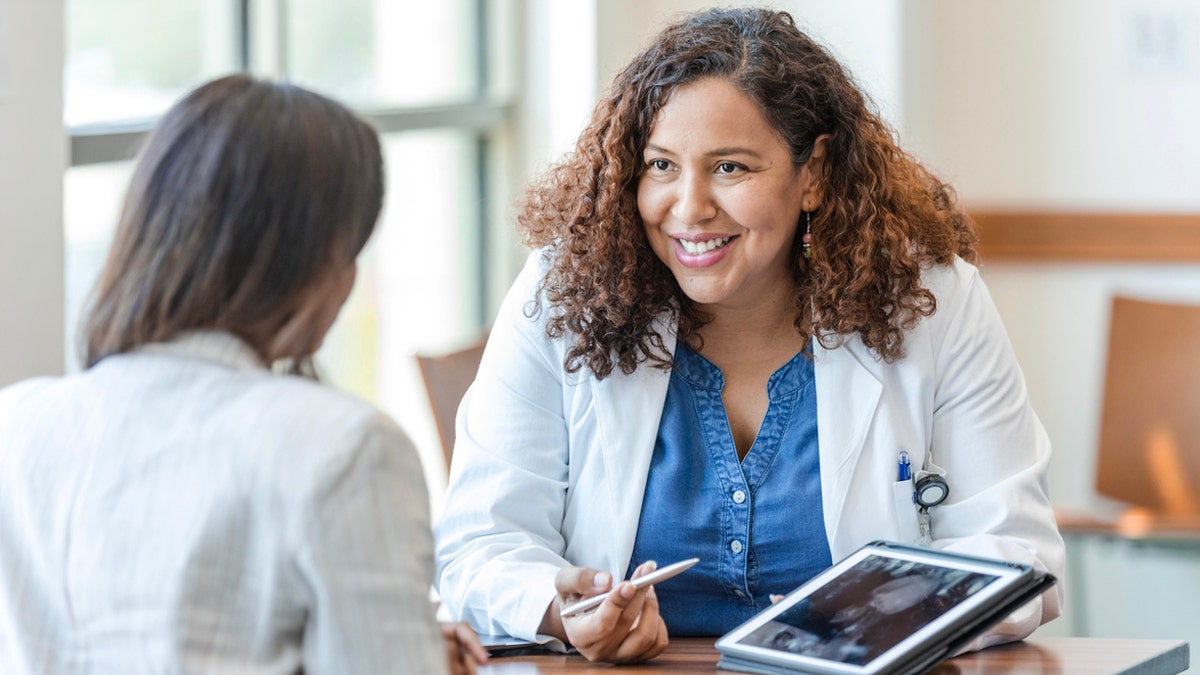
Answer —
(748, 307)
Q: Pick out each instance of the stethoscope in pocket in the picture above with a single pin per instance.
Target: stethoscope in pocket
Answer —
(929, 490)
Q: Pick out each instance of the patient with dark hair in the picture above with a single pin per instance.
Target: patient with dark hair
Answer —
(180, 507)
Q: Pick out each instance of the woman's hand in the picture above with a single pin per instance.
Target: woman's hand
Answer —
(625, 628)
(463, 649)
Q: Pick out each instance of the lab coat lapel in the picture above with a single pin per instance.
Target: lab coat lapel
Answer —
(628, 410)
(847, 396)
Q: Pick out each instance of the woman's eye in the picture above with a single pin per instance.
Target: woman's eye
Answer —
(660, 164)
(727, 168)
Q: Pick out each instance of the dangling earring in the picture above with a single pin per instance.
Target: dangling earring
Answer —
(806, 240)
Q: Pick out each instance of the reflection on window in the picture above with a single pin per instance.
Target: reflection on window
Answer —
(130, 59)
(384, 53)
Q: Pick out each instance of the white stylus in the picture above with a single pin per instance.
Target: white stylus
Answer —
(654, 577)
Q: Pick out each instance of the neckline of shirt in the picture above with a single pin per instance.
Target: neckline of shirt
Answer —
(694, 367)
(211, 345)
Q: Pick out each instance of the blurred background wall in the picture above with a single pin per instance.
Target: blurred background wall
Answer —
(33, 156)
(1024, 105)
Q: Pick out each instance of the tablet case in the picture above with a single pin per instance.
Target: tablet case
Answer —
(930, 655)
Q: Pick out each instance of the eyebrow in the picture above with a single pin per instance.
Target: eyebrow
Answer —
(716, 152)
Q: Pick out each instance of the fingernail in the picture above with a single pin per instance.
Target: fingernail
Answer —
(600, 580)
(627, 590)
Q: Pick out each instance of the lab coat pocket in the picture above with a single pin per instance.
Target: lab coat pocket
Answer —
(907, 527)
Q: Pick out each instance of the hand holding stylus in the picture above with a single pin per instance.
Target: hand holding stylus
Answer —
(652, 577)
(624, 628)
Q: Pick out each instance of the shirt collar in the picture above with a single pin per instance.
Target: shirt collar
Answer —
(702, 373)
(217, 346)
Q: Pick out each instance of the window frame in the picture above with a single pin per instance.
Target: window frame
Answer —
(260, 36)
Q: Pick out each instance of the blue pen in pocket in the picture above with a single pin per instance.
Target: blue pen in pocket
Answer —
(905, 467)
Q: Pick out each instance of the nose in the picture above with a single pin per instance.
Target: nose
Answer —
(693, 200)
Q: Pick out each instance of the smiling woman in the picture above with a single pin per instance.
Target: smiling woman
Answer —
(721, 202)
(719, 186)
(681, 371)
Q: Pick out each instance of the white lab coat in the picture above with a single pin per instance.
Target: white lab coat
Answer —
(550, 468)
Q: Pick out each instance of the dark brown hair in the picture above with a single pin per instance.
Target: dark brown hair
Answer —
(246, 195)
(883, 217)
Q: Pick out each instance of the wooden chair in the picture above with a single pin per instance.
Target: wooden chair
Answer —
(446, 378)
(1149, 455)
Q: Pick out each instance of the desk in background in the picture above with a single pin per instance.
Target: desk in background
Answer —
(1131, 575)
(1083, 656)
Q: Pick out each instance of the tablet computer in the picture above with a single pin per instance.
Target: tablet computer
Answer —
(886, 608)
(504, 644)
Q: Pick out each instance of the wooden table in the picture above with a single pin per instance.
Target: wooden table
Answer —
(1085, 656)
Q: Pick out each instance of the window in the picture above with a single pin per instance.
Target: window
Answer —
(125, 70)
(426, 73)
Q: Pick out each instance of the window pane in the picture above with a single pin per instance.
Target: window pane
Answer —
(93, 196)
(384, 53)
(416, 288)
(130, 59)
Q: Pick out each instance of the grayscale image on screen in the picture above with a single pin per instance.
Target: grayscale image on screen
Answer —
(868, 609)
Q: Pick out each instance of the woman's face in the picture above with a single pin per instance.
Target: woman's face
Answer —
(720, 198)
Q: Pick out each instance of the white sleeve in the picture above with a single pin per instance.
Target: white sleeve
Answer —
(994, 450)
(499, 537)
(366, 557)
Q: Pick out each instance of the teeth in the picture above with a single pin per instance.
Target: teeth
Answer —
(698, 247)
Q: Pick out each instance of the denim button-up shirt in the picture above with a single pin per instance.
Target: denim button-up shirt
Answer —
(756, 525)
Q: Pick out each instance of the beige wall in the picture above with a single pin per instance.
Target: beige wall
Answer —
(1070, 104)
(33, 154)
(863, 33)
(1066, 103)
(1078, 105)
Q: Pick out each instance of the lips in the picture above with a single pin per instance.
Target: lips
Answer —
(701, 252)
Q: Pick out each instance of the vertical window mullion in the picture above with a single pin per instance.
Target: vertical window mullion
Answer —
(482, 225)
(266, 39)
(243, 35)
(482, 161)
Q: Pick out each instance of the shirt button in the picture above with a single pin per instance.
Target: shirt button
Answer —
(735, 546)
(739, 496)
(739, 593)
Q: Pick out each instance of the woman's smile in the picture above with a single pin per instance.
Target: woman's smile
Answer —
(701, 251)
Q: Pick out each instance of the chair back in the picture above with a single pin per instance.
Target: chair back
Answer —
(447, 377)
(1150, 427)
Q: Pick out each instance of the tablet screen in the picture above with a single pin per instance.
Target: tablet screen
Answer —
(868, 609)
(867, 605)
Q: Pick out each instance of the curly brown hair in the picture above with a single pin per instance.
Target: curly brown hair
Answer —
(884, 217)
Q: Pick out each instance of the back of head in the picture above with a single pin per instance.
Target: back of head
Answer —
(247, 195)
